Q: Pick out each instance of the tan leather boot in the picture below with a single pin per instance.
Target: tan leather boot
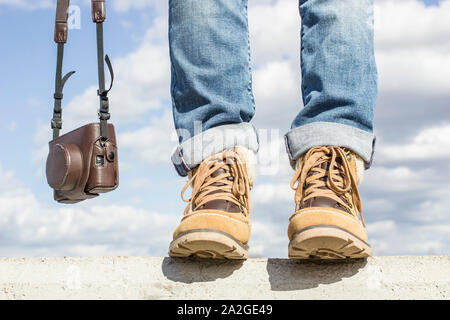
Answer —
(219, 224)
(326, 222)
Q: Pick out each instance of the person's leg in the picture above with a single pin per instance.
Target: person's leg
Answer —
(211, 79)
(212, 106)
(339, 77)
(331, 139)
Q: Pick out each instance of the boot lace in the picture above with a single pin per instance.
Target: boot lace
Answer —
(312, 180)
(230, 184)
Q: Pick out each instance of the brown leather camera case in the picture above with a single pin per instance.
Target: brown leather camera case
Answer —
(80, 165)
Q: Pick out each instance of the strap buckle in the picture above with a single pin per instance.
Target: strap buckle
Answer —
(56, 123)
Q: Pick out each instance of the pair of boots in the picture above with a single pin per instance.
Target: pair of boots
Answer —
(326, 223)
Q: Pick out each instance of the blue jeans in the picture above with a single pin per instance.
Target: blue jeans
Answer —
(212, 83)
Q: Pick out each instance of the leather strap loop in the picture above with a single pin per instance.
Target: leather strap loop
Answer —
(62, 15)
(98, 11)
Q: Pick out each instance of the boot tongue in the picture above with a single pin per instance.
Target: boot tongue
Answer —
(322, 202)
(222, 205)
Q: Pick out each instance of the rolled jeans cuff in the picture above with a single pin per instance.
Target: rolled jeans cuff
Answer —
(193, 151)
(303, 138)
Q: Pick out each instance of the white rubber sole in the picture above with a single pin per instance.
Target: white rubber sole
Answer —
(208, 243)
(327, 242)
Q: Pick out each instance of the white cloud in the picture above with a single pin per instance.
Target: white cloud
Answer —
(429, 144)
(141, 84)
(268, 240)
(405, 239)
(151, 144)
(422, 70)
(33, 227)
(398, 179)
(409, 24)
(413, 46)
(276, 86)
(125, 5)
(275, 55)
(381, 227)
(274, 41)
(271, 192)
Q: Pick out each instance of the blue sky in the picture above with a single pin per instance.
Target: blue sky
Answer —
(405, 196)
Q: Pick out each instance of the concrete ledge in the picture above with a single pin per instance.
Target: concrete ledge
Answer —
(164, 278)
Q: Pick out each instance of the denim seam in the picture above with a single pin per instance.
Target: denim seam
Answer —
(250, 82)
(303, 89)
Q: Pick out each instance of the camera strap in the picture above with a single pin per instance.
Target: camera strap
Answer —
(98, 17)
(61, 31)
